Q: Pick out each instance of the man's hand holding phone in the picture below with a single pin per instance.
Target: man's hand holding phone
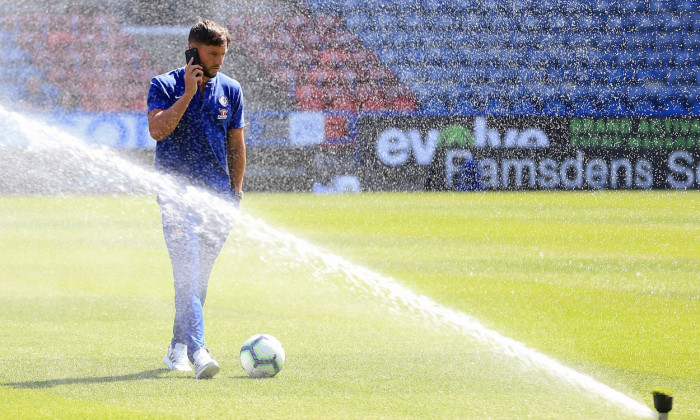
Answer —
(193, 72)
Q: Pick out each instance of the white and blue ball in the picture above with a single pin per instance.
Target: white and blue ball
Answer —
(262, 356)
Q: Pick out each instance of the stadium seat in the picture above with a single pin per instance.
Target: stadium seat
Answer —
(336, 127)
(694, 110)
(402, 102)
(644, 107)
(373, 103)
(523, 106)
(688, 6)
(673, 107)
(657, 6)
(555, 107)
(435, 106)
(311, 104)
(343, 103)
(308, 92)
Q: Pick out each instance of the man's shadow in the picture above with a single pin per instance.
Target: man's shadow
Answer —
(147, 374)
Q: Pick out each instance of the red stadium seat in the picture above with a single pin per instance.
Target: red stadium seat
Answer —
(373, 103)
(403, 103)
(364, 91)
(333, 58)
(343, 103)
(311, 104)
(336, 127)
(347, 76)
(308, 92)
(321, 75)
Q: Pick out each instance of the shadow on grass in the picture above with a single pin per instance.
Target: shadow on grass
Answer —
(147, 374)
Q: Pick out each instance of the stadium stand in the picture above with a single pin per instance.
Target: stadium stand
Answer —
(85, 61)
(582, 57)
(468, 57)
(322, 65)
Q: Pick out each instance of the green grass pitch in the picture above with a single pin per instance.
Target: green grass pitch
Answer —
(607, 283)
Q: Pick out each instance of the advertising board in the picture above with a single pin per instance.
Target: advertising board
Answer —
(511, 153)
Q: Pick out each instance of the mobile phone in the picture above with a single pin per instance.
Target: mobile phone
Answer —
(192, 53)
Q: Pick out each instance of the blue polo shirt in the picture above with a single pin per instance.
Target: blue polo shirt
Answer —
(196, 150)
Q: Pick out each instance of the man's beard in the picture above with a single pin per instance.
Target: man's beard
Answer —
(208, 73)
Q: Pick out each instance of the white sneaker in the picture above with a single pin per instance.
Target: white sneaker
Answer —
(204, 366)
(176, 358)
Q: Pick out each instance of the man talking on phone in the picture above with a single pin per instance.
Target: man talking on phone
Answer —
(195, 114)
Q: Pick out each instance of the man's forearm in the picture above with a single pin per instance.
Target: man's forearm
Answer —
(163, 122)
(236, 158)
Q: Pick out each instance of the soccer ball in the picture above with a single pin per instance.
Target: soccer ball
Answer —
(262, 356)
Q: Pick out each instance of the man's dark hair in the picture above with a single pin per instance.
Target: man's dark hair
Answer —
(208, 32)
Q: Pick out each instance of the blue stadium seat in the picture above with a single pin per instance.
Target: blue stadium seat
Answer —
(658, 59)
(615, 107)
(402, 5)
(555, 107)
(348, 4)
(630, 59)
(435, 106)
(631, 6)
(523, 106)
(372, 39)
(320, 5)
(15, 57)
(437, 74)
(445, 56)
(356, 21)
(423, 91)
(390, 56)
(693, 94)
(463, 105)
(496, 6)
(688, 6)
(680, 76)
(496, 107)
(644, 107)
(386, 21)
(11, 91)
(445, 22)
(434, 6)
(645, 76)
(464, 5)
(645, 23)
(670, 22)
(656, 6)
(637, 93)
(617, 23)
(474, 23)
(691, 42)
(417, 56)
(673, 107)
(413, 21)
(501, 22)
(668, 41)
(638, 41)
(610, 41)
(401, 39)
(694, 110)
(547, 6)
(695, 25)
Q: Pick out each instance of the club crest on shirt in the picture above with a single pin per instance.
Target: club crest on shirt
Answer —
(223, 114)
(223, 100)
